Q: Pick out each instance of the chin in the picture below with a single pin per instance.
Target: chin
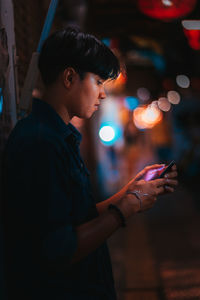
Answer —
(85, 116)
(88, 116)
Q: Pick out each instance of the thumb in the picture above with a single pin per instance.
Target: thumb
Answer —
(140, 175)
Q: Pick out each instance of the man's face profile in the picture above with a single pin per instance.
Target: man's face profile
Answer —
(86, 94)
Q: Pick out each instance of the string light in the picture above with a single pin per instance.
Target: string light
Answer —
(107, 133)
(147, 116)
(173, 97)
(183, 81)
(143, 94)
(164, 104)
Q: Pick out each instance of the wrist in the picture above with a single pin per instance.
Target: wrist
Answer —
(115, 208)
(138, 196)
(129, 205)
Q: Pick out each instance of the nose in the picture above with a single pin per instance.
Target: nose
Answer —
(102, 92)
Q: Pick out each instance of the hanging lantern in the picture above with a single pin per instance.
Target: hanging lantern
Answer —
(166, 10)
(191, 30)
(193, 37)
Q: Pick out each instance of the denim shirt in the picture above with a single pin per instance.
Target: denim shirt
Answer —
(47, 194)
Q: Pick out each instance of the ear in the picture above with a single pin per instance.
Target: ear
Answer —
(69, 76)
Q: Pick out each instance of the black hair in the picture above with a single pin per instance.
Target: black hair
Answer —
(72, 48)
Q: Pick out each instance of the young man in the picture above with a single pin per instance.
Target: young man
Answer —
(55, 233)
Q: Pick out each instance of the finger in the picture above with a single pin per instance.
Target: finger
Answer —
(160, 190)
(169, 189)
(172, 182)
(142, 172)
(156, 166)
(139, 175)
(171, 174)
(147, 168)
(174, 167)
(158, 182)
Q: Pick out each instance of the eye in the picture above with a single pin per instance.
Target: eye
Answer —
(99, 82)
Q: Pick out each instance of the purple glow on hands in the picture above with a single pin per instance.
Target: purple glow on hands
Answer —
(153, 173)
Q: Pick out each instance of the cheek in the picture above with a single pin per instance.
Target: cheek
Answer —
(93, 94)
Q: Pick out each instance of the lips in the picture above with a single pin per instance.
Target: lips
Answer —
(96, 106)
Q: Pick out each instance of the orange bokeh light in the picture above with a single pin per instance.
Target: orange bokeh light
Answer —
(147, 116)
(116, 84)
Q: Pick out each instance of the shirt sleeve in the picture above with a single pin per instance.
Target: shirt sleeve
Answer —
(45, 176)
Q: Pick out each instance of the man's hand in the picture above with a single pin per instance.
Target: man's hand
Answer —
(142, 173)
(171, 181)
(171, 176)
(129, 203)
(141, 195)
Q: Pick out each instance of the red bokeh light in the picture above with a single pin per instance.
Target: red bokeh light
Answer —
(166, 10)
(193, 37)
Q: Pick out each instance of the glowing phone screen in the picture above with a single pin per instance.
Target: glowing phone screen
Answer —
(153, 173)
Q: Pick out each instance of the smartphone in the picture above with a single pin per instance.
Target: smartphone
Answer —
(167, 169)
(153, 173)
(158, 172)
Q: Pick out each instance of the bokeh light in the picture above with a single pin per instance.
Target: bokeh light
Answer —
(110, 133)
(121, 79)
(164, 104)
(167, 2)
(137, 117)
(191, 24)
(123, 115)
(143, 94)
(116, 84)
(1, 100)
(131, 102)
(183, 81)
(166, 10)
(147, 116)
(173, 97)
(107, 133)
(154, 104)
(152, 115)
(106, 41)
(193, 37)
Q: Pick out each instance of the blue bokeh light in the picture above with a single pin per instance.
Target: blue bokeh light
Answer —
(157, 59)
(106, 41)
(109, 133)
(131, 102)
(1, 100)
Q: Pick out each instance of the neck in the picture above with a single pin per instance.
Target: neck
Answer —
(55, 99)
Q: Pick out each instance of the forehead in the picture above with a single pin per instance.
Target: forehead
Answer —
(94, 76)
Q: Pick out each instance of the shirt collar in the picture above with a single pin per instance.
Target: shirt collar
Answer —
(47, 114)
